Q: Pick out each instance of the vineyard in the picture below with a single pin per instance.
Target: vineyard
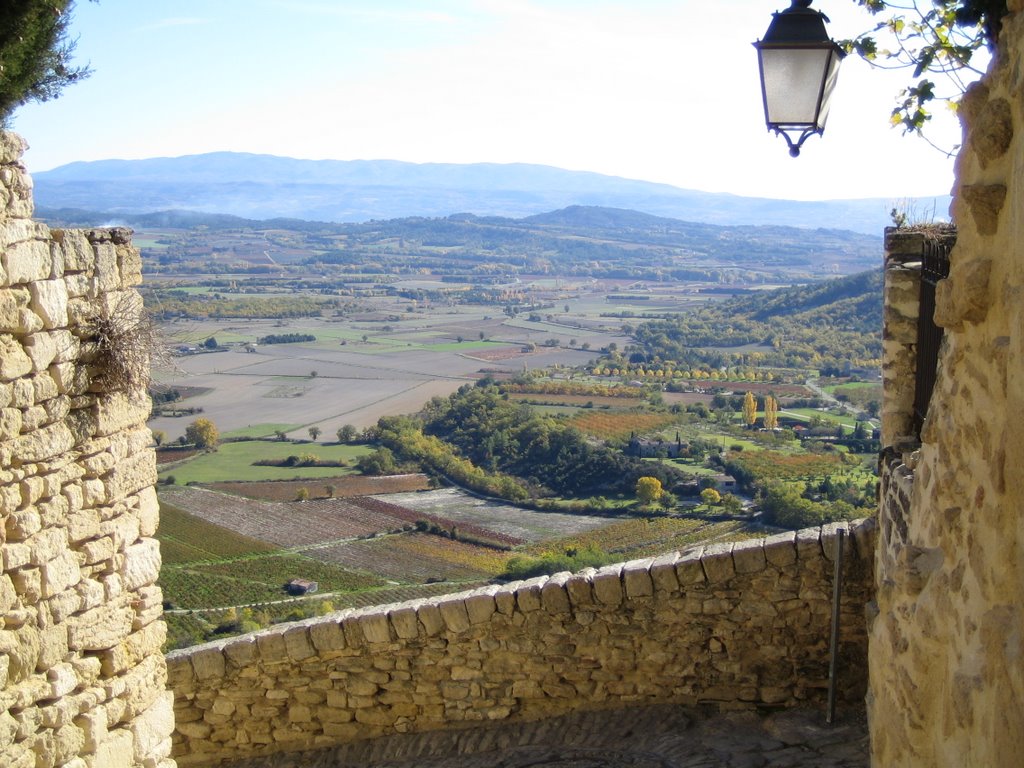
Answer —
(620, 425)
(222, 551)
(789, 466)
(633, 539)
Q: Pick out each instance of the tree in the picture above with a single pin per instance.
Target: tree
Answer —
(380, 462)
(749, 409)
(771, 412)
(159, 436)
(314, 433)
(302, 494)
(202, 433)
(210, 343)
(347, 433)
(648, 490)
(711, 497)
(35, 54)
(939, 37)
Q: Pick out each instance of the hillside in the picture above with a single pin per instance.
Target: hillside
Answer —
(831, 325)
(265, 187)
(579, 240)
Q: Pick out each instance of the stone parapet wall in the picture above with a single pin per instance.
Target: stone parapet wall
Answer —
(900, 308)
(947, 654)
(729, 626)
(82, 678)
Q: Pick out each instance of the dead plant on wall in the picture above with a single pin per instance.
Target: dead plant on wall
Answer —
(123, 343)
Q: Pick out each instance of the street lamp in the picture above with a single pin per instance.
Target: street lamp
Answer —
(799, 64)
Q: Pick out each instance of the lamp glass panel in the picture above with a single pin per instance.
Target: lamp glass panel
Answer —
(830, 85)
(792, 83)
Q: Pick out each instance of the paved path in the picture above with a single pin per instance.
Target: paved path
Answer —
(650, 737)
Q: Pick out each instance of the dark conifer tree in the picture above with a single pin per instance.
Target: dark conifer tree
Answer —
(35, 53)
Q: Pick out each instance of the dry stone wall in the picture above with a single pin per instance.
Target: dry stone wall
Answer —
(947, 645)
(729, 626)
(82, 678)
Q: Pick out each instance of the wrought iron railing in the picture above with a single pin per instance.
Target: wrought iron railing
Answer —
(934, 267)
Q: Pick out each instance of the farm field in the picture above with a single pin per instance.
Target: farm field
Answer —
(222, 551)
(521, 524)
(329, 384)
(235, 461)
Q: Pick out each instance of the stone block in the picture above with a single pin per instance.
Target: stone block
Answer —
(663, 573)
(99, 628)
(429, 616)
(152, 727)
(636, 578)
(50, 302)
(51, 440)
(116, 751)
(14, 362)
(272, 647)
(717, 563)
(297, 642)
(528, 594)
(780, 549)
(326, 634)
(480, 606)
(554, 596)
(28, 261)
(141, 564)
(60, 573)
(453, 612)
(53, 646)
(75, 248)
(749, 556)
(808, 544)
(403, 621)
(375, 627)
(608, 585)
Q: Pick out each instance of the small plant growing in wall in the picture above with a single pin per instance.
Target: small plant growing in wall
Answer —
(123, 343)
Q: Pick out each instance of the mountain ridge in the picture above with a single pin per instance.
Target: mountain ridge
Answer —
(268, 186)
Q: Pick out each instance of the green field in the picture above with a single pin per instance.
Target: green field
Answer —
(235, 462)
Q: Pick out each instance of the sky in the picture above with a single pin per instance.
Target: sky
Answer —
(658, 90)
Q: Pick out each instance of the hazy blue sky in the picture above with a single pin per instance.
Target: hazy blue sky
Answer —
(658, 90)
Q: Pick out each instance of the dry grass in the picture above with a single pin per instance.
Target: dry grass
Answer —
(123, 344)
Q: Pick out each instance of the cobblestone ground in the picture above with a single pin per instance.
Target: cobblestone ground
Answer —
(650, 737)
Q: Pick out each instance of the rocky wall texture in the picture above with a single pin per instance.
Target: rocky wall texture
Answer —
(947, 646)
(82, 678)
(728, 626)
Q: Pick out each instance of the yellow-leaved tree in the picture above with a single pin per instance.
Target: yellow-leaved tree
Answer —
(771, 412)
(648, 490)
(749, 409)
(203, 433)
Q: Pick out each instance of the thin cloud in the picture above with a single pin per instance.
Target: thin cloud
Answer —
(373, 14)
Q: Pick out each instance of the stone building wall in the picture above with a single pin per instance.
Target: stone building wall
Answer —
(82, 679)
(726, 627)
(947, 645)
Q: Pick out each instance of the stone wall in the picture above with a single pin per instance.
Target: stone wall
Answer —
(947, 646)
(729, 626)
(82, 678)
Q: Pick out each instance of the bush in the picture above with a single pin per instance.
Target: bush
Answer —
(526, 567)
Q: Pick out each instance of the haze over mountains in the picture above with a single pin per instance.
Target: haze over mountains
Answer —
(266, 186)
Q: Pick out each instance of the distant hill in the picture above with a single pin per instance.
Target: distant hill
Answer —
(264, 187)
(825, 325)
(579, 240)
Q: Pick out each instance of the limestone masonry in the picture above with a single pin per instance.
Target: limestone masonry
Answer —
(947, 646)
(730, 626)
(82, 678)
